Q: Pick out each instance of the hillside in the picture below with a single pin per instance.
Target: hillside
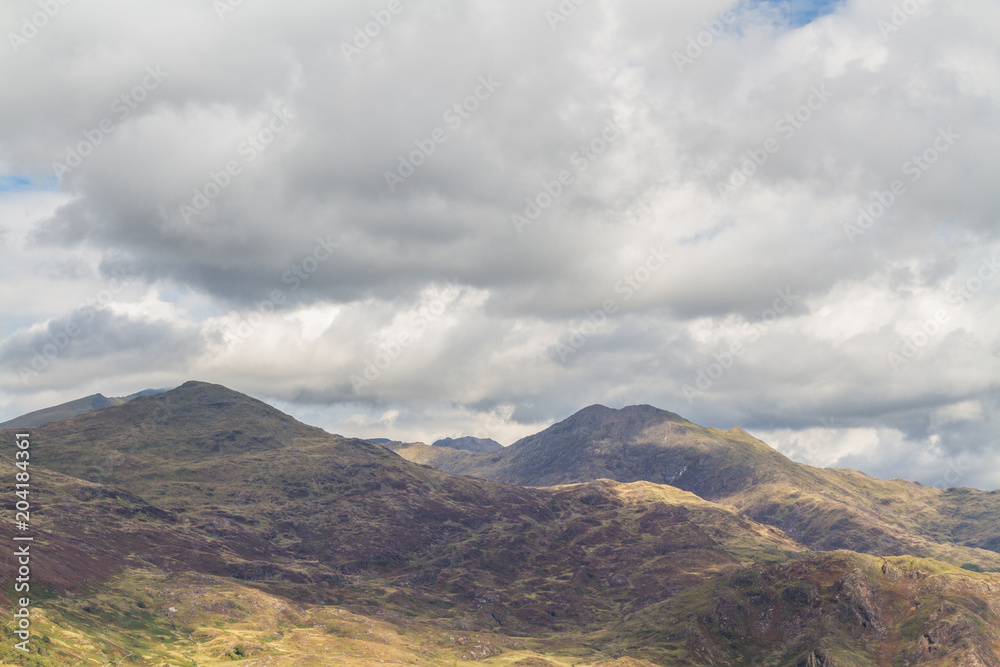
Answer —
(203, 526)
(821, 508)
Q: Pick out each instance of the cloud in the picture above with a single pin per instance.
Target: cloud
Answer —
(236, 168)
(91, 339)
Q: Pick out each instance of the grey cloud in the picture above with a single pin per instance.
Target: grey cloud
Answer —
(323, 177)
(90, 338)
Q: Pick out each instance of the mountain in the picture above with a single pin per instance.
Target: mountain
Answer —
(444, 448)
(823, 509)
(72, 409)
(201, 526)
(470, 444)
(638, 443)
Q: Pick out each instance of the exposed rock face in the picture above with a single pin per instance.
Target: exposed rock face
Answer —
(817, 659)
(859, 605)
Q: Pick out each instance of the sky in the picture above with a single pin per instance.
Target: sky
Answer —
(426, 219)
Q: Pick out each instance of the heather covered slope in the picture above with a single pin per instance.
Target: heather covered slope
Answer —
(639, 569)
(274, 498)
(203, 526)
(837, 608)
(821, 508)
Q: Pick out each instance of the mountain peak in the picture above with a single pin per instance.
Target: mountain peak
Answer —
(642, 408)
(596, 408)
(198, 385)
(639, 416)
(636, 442)
(197, 400)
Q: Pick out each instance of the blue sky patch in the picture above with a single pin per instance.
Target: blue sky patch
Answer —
(22, 184)
(14, 184)
(800, 12)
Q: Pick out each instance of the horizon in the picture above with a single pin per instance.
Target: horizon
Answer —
(942, 483)
(772, 215)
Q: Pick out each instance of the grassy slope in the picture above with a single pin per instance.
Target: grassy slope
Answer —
(840, 607)
(187, 619)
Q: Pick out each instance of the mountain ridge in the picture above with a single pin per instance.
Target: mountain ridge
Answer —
(72, 409)
(822, 508)
(203, 523)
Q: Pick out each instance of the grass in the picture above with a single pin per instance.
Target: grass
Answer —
(217, 621)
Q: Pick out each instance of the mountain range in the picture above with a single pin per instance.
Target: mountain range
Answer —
(200, 526)
(823, 509)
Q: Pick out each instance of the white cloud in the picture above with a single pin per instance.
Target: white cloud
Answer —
(322, 181)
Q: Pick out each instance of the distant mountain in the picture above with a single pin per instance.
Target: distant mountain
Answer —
(203, 526)
(72, 409)
(465, 444)
(821, 508)
(470, 444)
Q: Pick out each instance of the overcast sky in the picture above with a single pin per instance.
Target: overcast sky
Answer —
(439, 218)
